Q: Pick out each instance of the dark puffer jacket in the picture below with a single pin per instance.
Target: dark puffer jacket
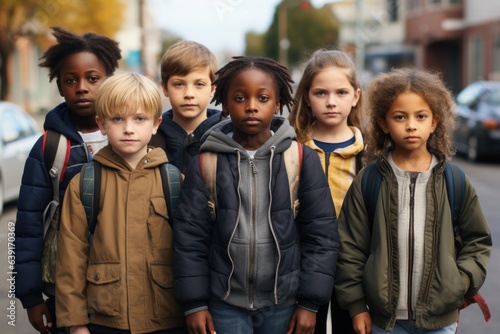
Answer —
(306, 249)
(35, 194)
(179, 145)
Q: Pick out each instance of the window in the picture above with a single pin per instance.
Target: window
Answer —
(475, 58)
(393, 10)
(496, 54)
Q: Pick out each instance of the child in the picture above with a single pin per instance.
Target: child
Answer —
(126, 281)
(254, 268)
(326, 118)
(187, 75)
(401, 273)
(80, 64)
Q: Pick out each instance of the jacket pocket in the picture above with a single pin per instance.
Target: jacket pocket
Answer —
(163, 292)
(103, 288)
(159, 230)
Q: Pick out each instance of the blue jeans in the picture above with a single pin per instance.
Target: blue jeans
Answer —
(408, 327)
(230, 319)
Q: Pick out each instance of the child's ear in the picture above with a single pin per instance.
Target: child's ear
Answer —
(156, 126)
(164, 88)
(435, 122)
(357, 96)
(383, 125)
(225, 110)
(277, 109)
(59, 88)
(100, 123)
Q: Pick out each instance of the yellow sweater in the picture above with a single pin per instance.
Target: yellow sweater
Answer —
(340, 169)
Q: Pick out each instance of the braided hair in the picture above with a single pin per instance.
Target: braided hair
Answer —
(279, 73)
(104, 48)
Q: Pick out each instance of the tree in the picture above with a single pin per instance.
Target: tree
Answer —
(308, 28)
(32, 18)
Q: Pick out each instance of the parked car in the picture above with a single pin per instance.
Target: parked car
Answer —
(18, 133)
(477, 134)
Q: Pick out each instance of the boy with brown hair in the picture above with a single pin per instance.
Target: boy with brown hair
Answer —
(187, 75)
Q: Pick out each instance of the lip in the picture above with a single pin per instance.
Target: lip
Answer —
(83, 102)
(412, 138)
(188, 106)
(251, 120)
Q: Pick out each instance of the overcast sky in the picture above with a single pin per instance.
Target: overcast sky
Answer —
(218, 24)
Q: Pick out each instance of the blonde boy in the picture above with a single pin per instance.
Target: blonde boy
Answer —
(125, 282)
(187, 75)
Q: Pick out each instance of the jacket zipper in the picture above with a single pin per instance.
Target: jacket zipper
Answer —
(411, 241)
(251, 282)
(327, 164)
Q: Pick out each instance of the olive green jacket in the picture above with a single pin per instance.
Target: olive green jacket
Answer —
(367, 272)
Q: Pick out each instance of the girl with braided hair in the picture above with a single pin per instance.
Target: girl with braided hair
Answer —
(80, 64)
(254, 266)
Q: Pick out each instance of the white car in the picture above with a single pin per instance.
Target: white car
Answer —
(18, 133)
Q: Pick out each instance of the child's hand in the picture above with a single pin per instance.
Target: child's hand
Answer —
(302, 322)
(36, 315)
(362, 323)
(79, 330)
(200, 323)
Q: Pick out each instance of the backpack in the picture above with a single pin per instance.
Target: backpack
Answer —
(455, 188)
(292, 157)
(90, 186)
(56, 150)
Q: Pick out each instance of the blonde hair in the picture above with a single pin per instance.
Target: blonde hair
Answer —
(301, 117)
(185, 57)
(386, 87)
(123, 94)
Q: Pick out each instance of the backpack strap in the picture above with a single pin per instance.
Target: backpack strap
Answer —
(90, 192)
(293, 164)
(370, 186)
(455, 187)
(56, 150)
(171, 178)
(208, 171)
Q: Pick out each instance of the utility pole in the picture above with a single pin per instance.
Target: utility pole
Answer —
(359, 42)
(284, 43)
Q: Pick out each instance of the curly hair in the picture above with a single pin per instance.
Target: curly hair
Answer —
(383, 90)
(301, 117)
(279, 73)
(104, 48)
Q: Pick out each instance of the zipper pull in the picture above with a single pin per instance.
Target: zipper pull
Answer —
(252, 165)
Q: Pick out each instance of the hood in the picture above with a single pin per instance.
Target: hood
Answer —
(107, 157)
(172, 129)
(217, 139)
(59, 119)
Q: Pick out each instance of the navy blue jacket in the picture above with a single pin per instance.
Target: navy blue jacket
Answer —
(180, 146)
(307, 248)
(35, 194)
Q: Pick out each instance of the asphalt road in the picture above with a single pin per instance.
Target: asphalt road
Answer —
(485, 177)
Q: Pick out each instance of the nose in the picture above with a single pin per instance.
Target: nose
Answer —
(410, 126)
(128, 126)
(81, 87)
(331, 101)
(188, 92)
(251, 105)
